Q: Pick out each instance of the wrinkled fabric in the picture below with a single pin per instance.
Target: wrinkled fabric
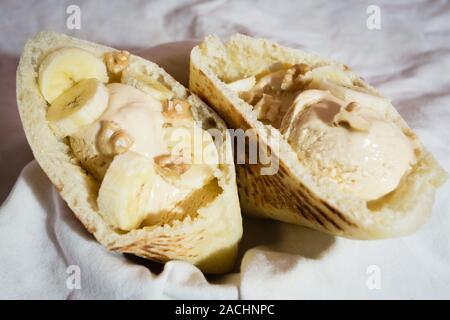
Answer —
(408, 60)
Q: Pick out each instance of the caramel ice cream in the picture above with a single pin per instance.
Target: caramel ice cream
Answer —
(358, 148)
(338, 130)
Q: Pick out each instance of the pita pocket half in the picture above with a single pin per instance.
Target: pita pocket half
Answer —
(141, 162)
(346, 162)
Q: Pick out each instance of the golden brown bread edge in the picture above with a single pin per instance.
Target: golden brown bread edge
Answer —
(209, 240)
(292, 195)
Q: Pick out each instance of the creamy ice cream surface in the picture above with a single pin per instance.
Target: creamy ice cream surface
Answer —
(338, 129)
(137, 114)
(365, 154)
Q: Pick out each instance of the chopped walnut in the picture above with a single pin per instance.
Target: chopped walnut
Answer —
(352, 106)
(351, 119)
(176, 109)
(251, 97)
(121, 141)
(288, 79)
(170, 165)
(112, 140)
(293, 79)
(301, 68)
(267, 108)
(359, 82)
(116, 62)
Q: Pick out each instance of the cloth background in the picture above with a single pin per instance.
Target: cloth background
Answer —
(408, 59)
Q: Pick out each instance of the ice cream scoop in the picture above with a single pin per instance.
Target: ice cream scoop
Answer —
(366, 154)
(132, 120)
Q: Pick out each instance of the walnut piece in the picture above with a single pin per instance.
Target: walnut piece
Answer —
(349, 117)
(251, 97)
(116, 62)
(293, 79)
(112, 140)
(176, 109)
(267, 108)
(352, 106)
(301, 68)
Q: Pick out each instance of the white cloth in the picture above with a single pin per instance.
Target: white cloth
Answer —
(408, 59)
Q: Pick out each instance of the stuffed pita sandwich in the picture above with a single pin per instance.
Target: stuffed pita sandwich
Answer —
(141, 162)
(347, 163)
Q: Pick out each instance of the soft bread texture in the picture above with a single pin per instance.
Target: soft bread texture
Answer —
(208, 240)
(293, 195)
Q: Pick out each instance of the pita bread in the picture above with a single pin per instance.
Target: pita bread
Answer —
(208, 240)
(293, 194)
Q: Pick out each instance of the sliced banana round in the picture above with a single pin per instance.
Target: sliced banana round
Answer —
(77, 107)
(146, 84)
(125, 193)
(193, 158)
(64, 67)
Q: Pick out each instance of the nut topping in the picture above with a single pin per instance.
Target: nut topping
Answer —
(116, 62)
(267, 108)
(351, 119)
(251, 97)
(293, 79)
(112, 140)
(176, 109)
(301, 68)
(352, 106)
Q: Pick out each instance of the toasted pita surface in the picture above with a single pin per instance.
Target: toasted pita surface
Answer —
(292, 194)
(209, 239)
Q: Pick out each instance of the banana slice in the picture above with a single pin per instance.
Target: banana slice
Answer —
(125, 192)
(193, 143)
(245, 84)
(193, 157)
(78, 106)
(205, 160)
(147, 84)
(62, 68)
